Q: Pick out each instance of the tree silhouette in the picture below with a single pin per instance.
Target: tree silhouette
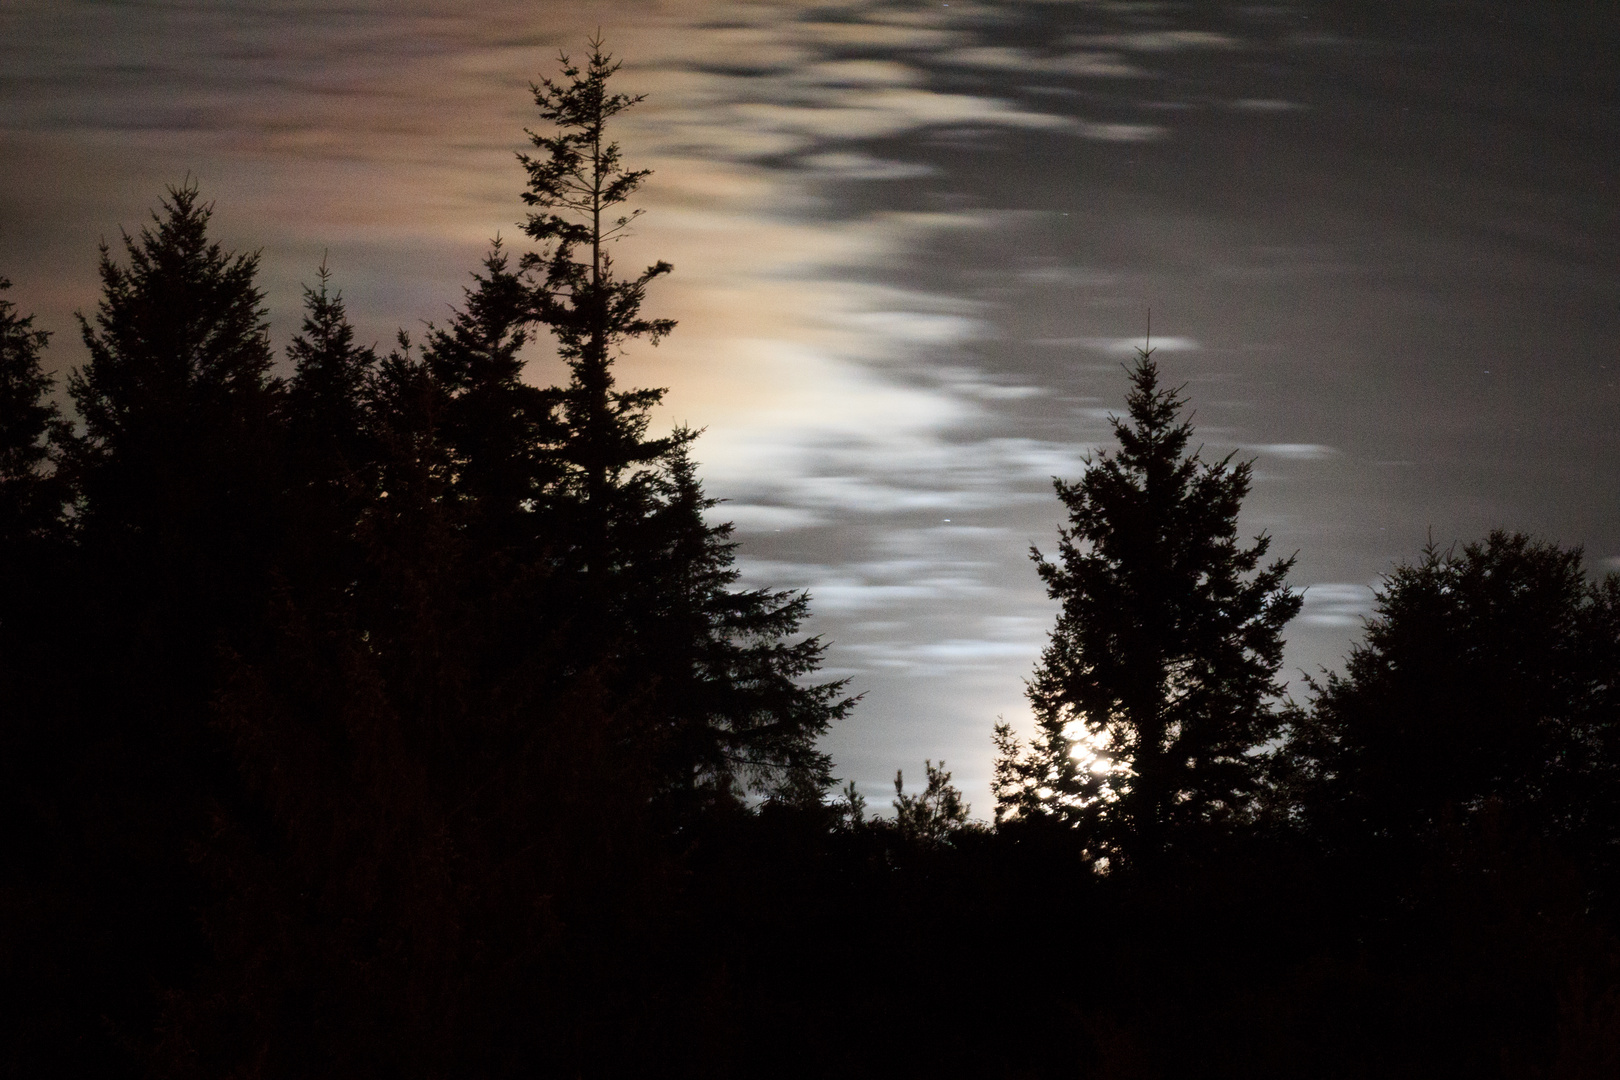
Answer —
(333, 451)
(932, 816)
(1488, 676)
(326, 397)
(576, 180)
(648, 583)
(175, 471)
(500, 430)
(115, 650)
(735, 713)
(1165, 650)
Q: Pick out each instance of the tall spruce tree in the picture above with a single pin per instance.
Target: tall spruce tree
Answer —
(649, 582)
(577, 182)
(43, 935)
(1165, 651)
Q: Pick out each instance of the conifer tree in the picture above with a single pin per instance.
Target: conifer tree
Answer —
(1488, 676)
(647, 582)
(179, 481)
(176, 488)
(35, 609)
(577, 182)
(326, 397)
(1166, 648)
(34, 542)
(498, 427)
(735, 713)
(176, 467)
(935, 814)
(333, 451)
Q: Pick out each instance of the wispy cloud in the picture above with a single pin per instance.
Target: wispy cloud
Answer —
(1007, 58)
(1156, 40)
(1122, 346)
(1334, 603)
(1294, 451)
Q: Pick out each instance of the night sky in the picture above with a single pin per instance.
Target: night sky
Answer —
(914, 242)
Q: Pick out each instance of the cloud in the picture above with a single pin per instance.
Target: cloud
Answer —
(875, 35)
(1122, 346)
(1156, 40)
(1073, 277)
(1006, 58)
(860, 73)
(849, 417)
(948, 655)
(854, 166)
(909, 328)
(855, 588)
(772, 123)
(868, 494)
(972, 384)
(882, 474)
(1336, 604)
(1266, 105)
(1295, 451)
(1119, 132)
(754, 517)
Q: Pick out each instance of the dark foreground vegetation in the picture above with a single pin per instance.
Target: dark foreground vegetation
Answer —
(397, 718)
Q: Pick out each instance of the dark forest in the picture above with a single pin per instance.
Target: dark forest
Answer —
(379, 713)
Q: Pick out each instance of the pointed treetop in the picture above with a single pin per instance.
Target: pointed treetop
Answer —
(577, 172)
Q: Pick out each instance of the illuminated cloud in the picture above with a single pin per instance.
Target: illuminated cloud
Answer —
(1123, 346)
(1006, 58)
(1294, 451)
(855, 166)
(934, 658)
(755, 517)
(1336, 604)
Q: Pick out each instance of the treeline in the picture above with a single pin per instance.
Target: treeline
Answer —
(386, 715)
(353, 717)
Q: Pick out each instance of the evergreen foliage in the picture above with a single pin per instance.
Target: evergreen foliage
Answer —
(176, 472)
(1486, 682)
(501, 432)
(116, 648)
(933, 815)
(326, 399)
(1166, 648)
(179, 349)
(650, 582)
(737, 715)
(577, 179)
(333, 446)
